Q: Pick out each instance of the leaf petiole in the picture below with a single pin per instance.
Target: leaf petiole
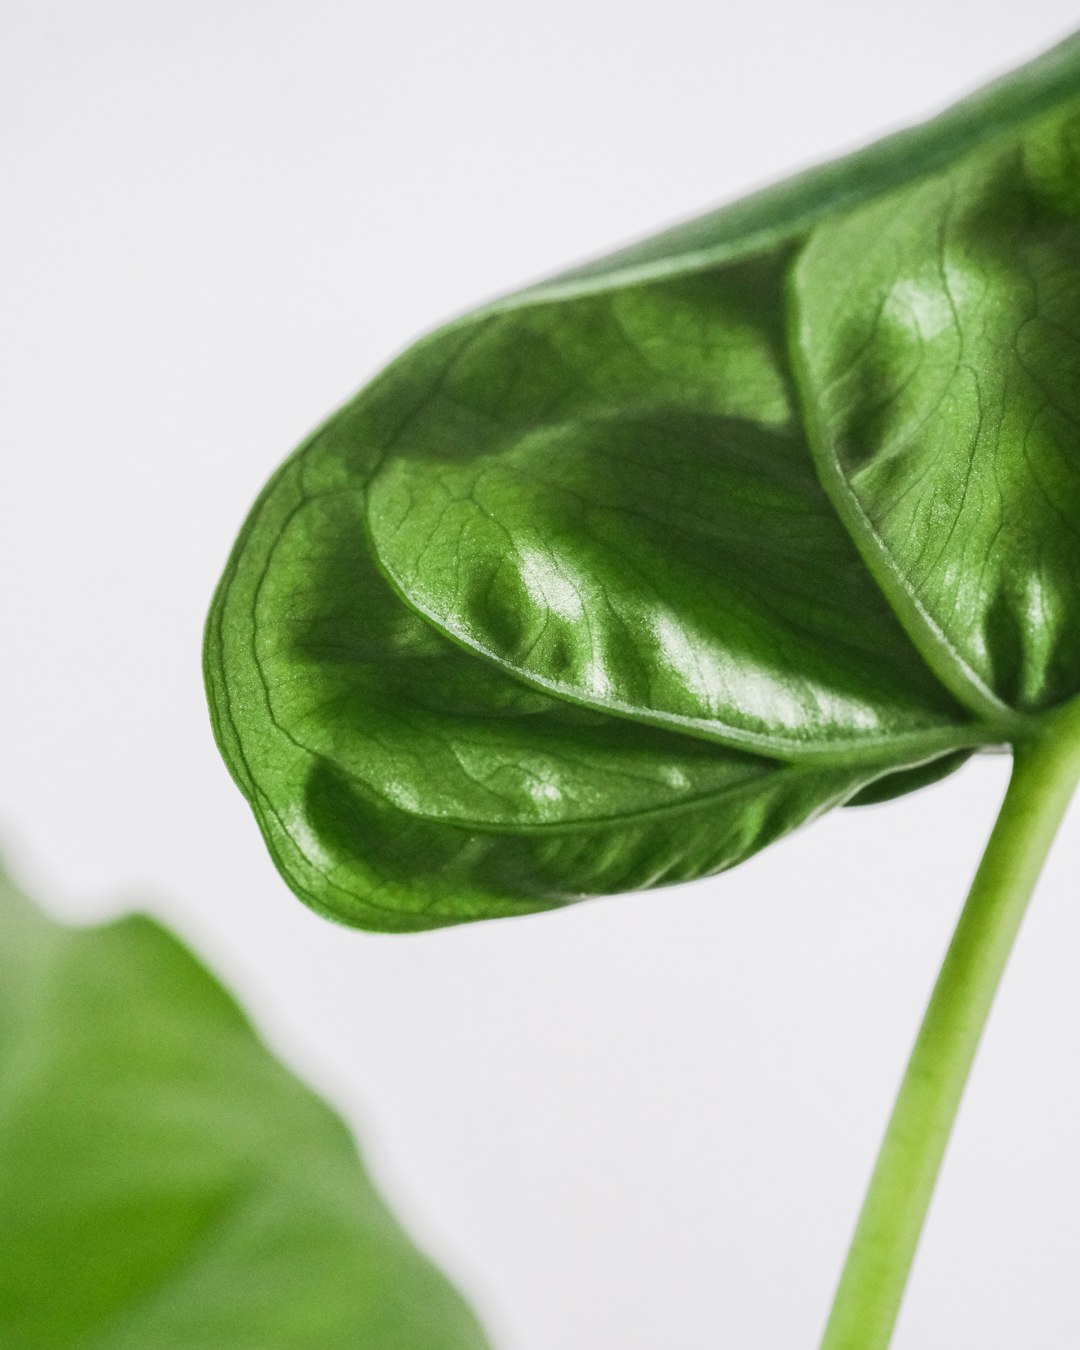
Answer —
(1045, 773)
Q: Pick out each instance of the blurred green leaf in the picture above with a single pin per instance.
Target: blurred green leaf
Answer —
(166, 1182)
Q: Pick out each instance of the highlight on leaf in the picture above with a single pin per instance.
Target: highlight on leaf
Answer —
(622, 578)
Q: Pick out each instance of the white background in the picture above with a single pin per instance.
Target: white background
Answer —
(642, 1124)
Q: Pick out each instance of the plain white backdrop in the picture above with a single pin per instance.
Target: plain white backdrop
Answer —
(642, 1124)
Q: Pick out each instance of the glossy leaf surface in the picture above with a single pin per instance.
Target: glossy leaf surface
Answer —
(164, 1181)
(612, 498)
(620, 579)
(402, 782)
(943, 382)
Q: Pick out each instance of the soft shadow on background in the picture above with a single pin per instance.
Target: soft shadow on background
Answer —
(644, 1122)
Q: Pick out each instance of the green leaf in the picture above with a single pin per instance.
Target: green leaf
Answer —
(402, 783)
(941, 381)
(612, 498)
(909, 780)
(165, 1181)
(622, 578)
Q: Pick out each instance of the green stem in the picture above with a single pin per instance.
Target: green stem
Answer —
(867, 1302)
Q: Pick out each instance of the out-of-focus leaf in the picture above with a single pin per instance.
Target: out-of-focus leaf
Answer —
(166, 1182)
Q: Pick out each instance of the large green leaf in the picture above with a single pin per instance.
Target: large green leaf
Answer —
(166, 1182)
(618, 580)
